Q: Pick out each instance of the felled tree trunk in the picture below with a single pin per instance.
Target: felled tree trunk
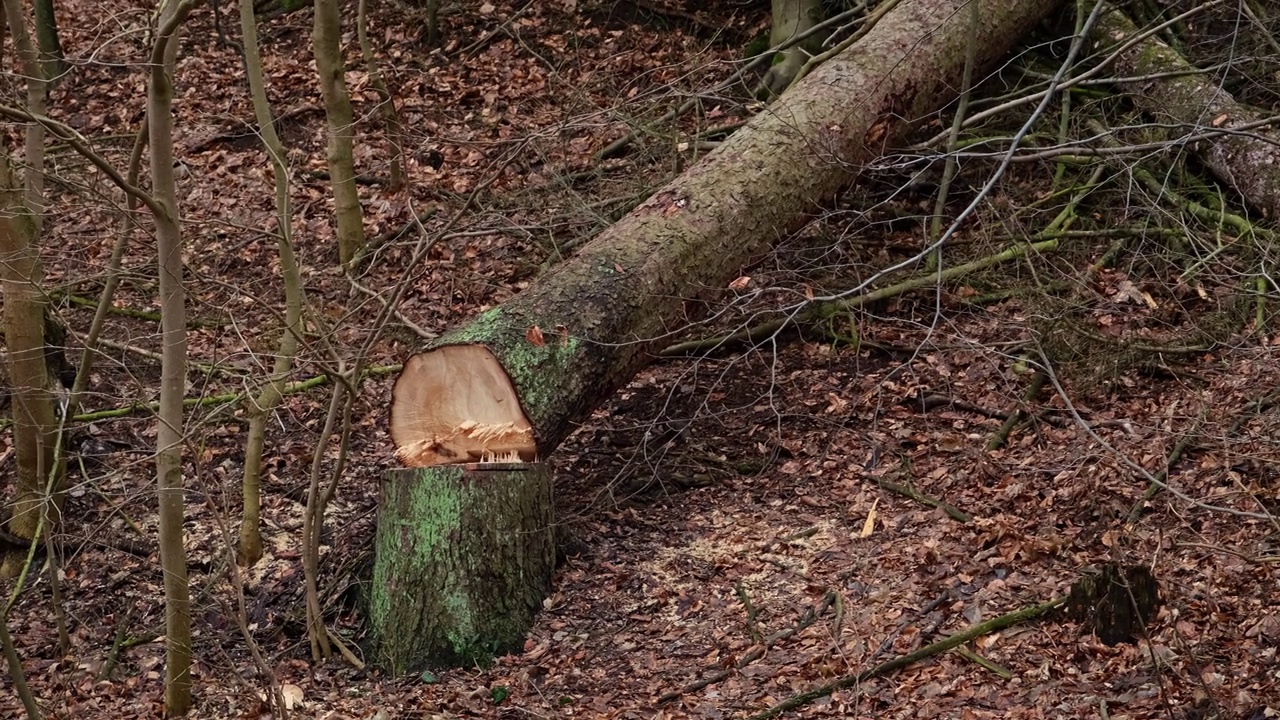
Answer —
(541, 362)
(1172, 91)
(463, 560)
(512, 384)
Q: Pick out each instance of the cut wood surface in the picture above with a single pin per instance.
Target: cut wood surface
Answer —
(463, 410)
(584, 329)
(1246, 156)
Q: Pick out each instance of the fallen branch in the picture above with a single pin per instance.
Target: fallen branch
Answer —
(192, 323)
(910, 492)
(977, 659)
(902, 661)
(767, 330)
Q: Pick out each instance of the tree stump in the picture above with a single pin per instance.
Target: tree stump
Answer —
(1117, 603)
(463, 559)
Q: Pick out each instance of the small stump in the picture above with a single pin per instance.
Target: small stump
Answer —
(463, 559)
(1116, 603)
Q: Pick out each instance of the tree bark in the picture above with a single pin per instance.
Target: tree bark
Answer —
(790, 18)
(327, 44)
(37, 92)
(568, 342)
(386, 101)
(1175, 93)
(34, 423)
(51, 58)
(463, 559)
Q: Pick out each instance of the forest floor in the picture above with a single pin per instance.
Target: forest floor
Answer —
(729, 514)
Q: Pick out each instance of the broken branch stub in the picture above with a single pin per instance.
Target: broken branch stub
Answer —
(457, 405)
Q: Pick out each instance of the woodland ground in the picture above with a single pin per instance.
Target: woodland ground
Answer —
(714, 501)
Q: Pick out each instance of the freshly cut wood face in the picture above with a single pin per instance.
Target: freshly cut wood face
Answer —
(457, 405)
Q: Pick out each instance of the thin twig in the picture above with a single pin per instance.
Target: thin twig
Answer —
(617, 146)
(1123, 458)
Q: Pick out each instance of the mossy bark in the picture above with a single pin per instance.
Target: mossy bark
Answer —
(1174, 92)
(790, 18)
(462, 562)
(586, 328)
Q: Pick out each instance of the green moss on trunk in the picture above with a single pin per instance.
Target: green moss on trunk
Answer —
(463, 559)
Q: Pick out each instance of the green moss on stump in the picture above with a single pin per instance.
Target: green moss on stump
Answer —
(463, 558)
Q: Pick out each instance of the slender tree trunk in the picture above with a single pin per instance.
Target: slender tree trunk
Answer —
(790, 18)
(37, 91)
(173, 369)
(433, 23)
(33, 400)
(271, 393)
(386, 101)
(16, 675)
(327, 45)
(47, 39)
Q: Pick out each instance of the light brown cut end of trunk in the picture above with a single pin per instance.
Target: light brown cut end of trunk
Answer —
(457, 405)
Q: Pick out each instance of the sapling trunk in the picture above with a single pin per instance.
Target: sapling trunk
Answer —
(173, 370)
(327, 45)
(272, 391)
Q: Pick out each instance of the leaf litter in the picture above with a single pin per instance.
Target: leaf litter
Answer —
(756, 541)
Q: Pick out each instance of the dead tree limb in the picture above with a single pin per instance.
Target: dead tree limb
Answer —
(902, 661)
